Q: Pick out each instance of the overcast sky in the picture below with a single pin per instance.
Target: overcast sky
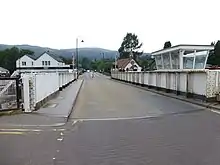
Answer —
(104, 23)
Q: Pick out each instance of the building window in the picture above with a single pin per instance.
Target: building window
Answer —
(32, 63)
(23, 63)
(159, 62)
(166, 60)
(48, 62)
(43, 63)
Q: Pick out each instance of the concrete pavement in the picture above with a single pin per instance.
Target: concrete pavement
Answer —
(62, 105)
(102, 98)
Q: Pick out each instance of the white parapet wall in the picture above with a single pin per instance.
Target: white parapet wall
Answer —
(39, 86)
(203, 84)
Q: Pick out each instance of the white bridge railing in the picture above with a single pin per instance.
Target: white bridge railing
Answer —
(202, 83)
(38, 86)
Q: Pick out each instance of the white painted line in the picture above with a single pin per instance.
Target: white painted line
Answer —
(118, 118)
(218, 112)
(74, 122)
(21, 130)
(11, 133)
(60, 139)
(20, 125)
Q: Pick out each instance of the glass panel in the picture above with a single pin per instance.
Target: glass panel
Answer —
(159, 62)
(166, 61)
(175, 60)
(188, 62)
(200, 62)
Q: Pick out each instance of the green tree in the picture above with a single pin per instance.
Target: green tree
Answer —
(130, 45)
(167, 44)
(86, 63)
(26, 51)
(66, 60)
(214, 56)
(8, 57)
(102, 65)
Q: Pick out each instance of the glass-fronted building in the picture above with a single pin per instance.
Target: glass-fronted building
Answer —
(182, 57)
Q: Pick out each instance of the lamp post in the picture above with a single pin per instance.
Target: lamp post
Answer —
(77, 56)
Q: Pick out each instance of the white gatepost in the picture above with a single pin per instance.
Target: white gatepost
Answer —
(26, 92)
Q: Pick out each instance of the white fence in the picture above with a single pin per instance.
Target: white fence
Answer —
(38, 86)
(202, 83)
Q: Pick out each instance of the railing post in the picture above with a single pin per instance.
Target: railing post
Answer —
(17, 93)
(26, 91)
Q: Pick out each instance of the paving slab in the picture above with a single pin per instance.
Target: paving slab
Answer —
(62, 105)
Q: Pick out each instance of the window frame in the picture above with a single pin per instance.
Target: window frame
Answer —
(23, 63)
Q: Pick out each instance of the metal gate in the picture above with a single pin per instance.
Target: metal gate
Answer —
(10, 93)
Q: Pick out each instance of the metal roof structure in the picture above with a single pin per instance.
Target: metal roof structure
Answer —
(183, 47)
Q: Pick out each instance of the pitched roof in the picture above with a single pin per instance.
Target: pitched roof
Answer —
(50, 53)
(122, 63)
(31, 56)
(54, 56)
(3, 70)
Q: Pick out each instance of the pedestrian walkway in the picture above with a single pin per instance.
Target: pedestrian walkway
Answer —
(54, 113)
(62, 105)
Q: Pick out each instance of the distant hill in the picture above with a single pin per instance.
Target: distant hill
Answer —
(91, 53)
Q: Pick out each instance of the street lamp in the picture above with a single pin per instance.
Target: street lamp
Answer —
(77, 56)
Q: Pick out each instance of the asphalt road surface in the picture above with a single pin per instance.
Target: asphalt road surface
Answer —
(116, 124)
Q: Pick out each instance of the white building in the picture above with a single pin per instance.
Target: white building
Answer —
(3, 72)
(46, 59)
(128, 64)
(182, 57)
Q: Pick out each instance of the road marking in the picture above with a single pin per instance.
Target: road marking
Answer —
(218, 112)
(60, 139)
(20, 125)
(118, 118)
(75, 122)
(21, 130)
(11, 133)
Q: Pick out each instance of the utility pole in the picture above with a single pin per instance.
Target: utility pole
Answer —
(115, 60)
(77, 56)
(77, 60)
